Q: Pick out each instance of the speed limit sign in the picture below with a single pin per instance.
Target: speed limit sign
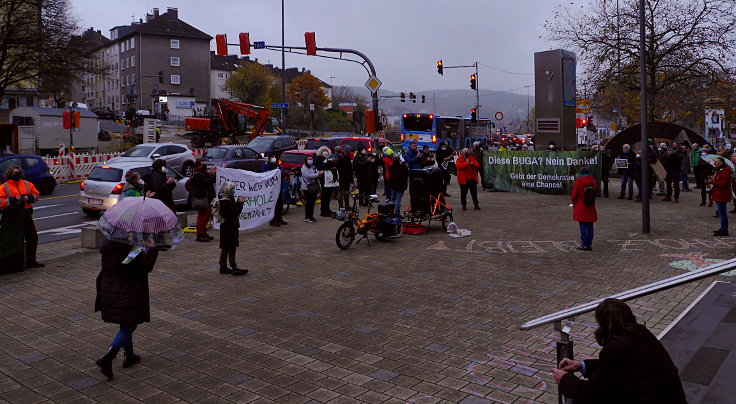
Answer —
(384, 120)
(499, 116)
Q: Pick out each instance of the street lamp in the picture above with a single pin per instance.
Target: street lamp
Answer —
(332, 92)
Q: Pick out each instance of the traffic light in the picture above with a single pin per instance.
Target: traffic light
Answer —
(66, 119)
(76, 118)
(473, 83)
(160, 76)
(413, 97)
(221, 42)
(424, 99)
(584, 122)
(578, 123)
(403, 97)
(440, 68)
(473, 115)
(311, 43)
(244, 43)
(370, 121)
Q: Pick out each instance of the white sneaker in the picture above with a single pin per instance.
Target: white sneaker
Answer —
(307, 220)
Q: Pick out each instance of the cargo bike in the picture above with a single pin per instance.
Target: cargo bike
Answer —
(383, 223)
(427, 200)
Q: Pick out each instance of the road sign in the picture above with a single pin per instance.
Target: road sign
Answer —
(373, 83)
(499, 116)
(259, 45)
(280, 105)
(311, 107)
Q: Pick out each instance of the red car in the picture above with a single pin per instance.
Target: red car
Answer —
(292, 159)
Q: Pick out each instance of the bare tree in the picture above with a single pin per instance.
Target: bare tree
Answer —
(39, 46)
(688, 43)
(342, 94)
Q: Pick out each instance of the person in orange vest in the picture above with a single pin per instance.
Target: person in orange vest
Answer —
(16, 197)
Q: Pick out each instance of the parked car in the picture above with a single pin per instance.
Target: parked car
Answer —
(295, 158)
(317, 142)
(177, 156)
(234, 156)
(269, 144)
(371, 145)
(103, 188)
(35, 169)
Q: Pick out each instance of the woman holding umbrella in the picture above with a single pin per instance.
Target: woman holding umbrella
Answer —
(134, 229)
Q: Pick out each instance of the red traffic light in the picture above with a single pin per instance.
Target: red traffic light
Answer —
(309, 38)
(578, 123)
(244, 43)
(221, 42)
(440, 68)
(66, 119)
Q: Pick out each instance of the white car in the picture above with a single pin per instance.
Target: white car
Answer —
(177, 156)
(103, 188)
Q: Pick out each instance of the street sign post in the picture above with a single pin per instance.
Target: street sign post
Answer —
(373, 83)
(280, 105)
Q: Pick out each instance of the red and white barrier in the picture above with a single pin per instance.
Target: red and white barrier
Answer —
(67, 167)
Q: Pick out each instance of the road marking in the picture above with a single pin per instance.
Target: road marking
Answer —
(44, 207)
(61, 214)
(67, 229)
(56, 197)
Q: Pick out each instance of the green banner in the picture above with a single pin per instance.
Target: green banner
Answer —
(539, 172)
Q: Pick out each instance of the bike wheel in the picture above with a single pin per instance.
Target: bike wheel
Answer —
(446, 218)
(345, 235)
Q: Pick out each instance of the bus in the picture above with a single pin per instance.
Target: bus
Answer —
(430, 129)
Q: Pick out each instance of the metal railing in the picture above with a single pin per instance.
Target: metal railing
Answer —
(565, 346)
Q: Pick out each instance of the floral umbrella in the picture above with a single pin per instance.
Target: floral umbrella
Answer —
(710, 158)
(135, 219)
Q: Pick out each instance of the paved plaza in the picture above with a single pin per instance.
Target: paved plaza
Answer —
(421, 319)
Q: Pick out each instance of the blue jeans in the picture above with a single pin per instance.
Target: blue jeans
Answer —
(626, 179)
(396, 199)
(586, 234)
(723, 215)
(683, 180)
(124, 337)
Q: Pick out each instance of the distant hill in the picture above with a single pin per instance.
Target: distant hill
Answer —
(454, 102)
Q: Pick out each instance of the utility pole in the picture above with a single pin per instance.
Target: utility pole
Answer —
(283, 71)
(645, 225)
(528, 112)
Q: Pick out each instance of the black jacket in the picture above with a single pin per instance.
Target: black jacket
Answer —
(362, 167)
(156, 182)
(122, 289)
(425, 159)
(630, 157)
(673, 162)
(398, 177)
(345, 171)
(632, 369)
(203, 184)
(441, 155)
(230, 227)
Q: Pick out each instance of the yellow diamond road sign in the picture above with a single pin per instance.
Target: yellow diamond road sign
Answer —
(373, 83)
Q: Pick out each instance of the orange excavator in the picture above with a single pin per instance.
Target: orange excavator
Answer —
(229, 122)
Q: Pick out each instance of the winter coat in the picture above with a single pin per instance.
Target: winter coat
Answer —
(478, 154)
(230, 227)
(132, 189)
(362, 167)
(387, 162)
(345, 171)
(441, 155)
(325, 164)
(685, 164)
(156, 182)
(721, 191)
(309, 176)
(399, 177)
(467, 169)
(411, 158)
(694, 158)
(630, 156)
(673, 162)
(203, 184)
(122, 289)
(425, 160)
(607, 161)
(580, 211)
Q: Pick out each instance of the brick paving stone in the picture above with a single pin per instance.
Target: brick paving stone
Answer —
(83, 383)
(384, 374)
(439, 348)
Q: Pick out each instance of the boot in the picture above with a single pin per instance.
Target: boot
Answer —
(129, 357)
(238, 272)
(622, 196)
(105, 362)
(225, 270)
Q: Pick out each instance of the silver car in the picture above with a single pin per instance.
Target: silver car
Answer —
(104, 186)
(177, 156)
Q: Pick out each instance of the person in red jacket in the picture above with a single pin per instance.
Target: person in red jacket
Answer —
(16, 197)
(720, 193)
(583, 213)
(467, 177)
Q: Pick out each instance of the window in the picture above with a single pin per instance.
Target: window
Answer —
(132, 61)
(175, 61)
(221, 75)
(174, 44)
(175, 79)
(132, 43)
(132, 78)
(123, 81)
(30, 162)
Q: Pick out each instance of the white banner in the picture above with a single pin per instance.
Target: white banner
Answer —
(259, 191)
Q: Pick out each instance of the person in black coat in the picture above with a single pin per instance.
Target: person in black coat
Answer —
(633, 367)
(323, 161)
(273, 164)
(230, 210)
(444, 157)
(203, 187)
(158, 185)
(122, 296)
(362, 168)
(398, 180)
(673, 165)
(345, 178)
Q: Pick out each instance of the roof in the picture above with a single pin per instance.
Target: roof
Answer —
(228, 63)
(165, 24)
(42, 111)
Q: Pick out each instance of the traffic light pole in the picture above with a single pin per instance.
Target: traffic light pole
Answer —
(477, 87)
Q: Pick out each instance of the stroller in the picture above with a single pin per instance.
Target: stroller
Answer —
(427, 202)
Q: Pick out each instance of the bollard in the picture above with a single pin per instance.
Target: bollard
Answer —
(564, 350)
(182, 216)
(92, 237)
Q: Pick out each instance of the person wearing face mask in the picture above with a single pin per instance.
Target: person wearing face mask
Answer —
(444, 157)
(202, 190)
(329, 181)
(133, 184)
(386, 161)
(158, 185)
(411, 157)
(425, 158)
(361, 166)
(310, 186)
(16, 222)
(467, 177)
(230, 209)
(273, 164)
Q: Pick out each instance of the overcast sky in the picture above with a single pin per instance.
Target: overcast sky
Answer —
(403, 38)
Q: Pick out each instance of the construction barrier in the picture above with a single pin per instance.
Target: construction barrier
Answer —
(70, 166)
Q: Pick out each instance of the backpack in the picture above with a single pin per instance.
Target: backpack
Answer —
(215, 205)
(589, 196)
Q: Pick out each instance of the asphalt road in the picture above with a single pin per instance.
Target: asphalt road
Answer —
(58, 216)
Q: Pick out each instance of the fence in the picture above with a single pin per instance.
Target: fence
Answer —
(76, 166)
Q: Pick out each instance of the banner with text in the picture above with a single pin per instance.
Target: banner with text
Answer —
(259, 192)
(538, 172)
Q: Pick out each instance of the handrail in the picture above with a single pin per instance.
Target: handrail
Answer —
(645, 290)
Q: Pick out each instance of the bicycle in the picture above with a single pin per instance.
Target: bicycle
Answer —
(382, 225)
(293, 194)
